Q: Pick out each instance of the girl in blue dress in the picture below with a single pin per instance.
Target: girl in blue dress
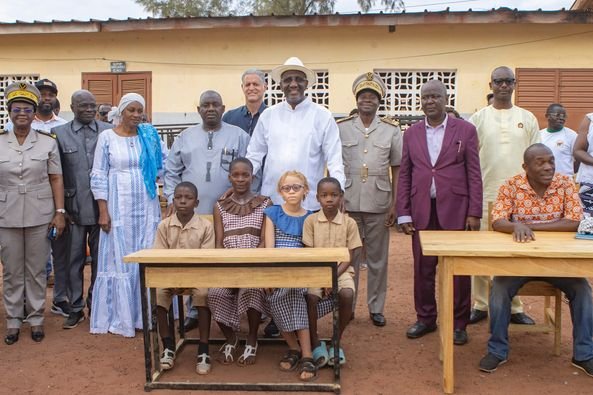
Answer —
(288, 307)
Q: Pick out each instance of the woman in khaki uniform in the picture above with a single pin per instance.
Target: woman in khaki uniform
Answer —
(31, 210)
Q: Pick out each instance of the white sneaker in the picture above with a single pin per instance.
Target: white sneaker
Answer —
(203, 366)
(167, 359)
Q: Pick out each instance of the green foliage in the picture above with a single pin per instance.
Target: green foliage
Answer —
(181, 8)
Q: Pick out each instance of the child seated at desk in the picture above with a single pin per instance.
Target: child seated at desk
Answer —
(330, 228)
(288, 307)
(184, 229)
(239, 223)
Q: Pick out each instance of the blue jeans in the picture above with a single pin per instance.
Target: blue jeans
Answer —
(577, 291)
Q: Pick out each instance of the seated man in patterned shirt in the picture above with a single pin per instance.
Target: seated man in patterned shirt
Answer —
(538, 200)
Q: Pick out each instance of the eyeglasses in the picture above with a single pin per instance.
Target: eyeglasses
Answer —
(557, 115)
(298, 80)
(294, 187)
(500, 81)
(85, 106)
(103, 113)
(18, 110)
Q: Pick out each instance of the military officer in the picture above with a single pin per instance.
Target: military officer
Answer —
(371, 148)
(31, 211)
(77, 141)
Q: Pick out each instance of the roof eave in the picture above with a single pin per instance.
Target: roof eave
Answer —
(501, 16)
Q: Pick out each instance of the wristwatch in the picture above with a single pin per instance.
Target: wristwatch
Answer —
(61, 210)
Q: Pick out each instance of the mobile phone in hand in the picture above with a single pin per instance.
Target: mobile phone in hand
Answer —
(52, 234)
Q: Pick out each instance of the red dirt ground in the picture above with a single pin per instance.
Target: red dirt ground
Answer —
(380, 360)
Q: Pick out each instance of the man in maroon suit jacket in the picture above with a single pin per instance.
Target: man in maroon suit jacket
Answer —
(439, 188)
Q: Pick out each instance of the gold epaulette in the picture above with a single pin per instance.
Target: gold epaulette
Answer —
(49, 134)
(346, 119)
(3, 132)
(389, 120)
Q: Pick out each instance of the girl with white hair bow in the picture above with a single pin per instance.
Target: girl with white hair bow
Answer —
(128, 159)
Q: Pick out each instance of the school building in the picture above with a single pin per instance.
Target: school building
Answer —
(172, 60)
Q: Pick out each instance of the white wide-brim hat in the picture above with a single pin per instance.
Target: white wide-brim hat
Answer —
(293, 63)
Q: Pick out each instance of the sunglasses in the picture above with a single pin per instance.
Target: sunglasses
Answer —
(557, 115)
(103, 113)
(18, 110)
(500, 81)
(294, 187)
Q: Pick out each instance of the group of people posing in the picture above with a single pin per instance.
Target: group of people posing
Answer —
(260, 174)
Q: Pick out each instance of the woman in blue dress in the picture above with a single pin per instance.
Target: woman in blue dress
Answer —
(123, 180)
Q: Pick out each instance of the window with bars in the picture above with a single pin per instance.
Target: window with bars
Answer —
(6, 80)
(403, 89)
(318, 92)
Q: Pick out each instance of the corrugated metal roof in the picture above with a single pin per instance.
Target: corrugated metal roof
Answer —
(501, 15)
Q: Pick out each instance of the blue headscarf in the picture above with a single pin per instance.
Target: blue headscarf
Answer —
(151, 157)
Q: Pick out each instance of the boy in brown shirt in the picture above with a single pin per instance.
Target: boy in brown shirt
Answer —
(331, 228)
(184, 229)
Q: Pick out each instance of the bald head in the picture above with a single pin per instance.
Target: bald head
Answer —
(435, 85)
(535, 150)
(209, 95)
(84, 106)
(502, 72)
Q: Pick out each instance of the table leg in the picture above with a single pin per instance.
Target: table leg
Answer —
(446, 313)
(440, 307)
(145, 331)
(154, 332)
(336, 324)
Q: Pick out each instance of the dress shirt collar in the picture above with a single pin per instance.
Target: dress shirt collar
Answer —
(304, 104)
(552, 188)
(245, 111)
(193, 223)
(76, 125)
(52, 119)
(443, 124)
(338, 219)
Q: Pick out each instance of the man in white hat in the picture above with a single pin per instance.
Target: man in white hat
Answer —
(296, 134)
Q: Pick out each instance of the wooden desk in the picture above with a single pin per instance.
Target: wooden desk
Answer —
(234, 268)
(552, 254)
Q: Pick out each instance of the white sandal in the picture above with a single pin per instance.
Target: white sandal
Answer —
(228, 352)
(167, 359)
(249, 351)
(203, 366)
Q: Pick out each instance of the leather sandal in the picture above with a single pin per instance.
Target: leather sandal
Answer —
(291, 357)
(11, 338)
(249, 352)
(308, 366)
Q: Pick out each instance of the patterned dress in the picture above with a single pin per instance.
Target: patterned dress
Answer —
(242, 224)
(288, 306)
(117, 178)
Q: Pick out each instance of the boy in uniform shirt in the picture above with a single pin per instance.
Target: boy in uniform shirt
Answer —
(184, 229)
(331, 228)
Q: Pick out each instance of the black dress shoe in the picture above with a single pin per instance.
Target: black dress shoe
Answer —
(420, 329)
(522, 319)
(190, 324)
(37, 335)
(11, 338)
(477, 316)
(460, 337)
(378, 319)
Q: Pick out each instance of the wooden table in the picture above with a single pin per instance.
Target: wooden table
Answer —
(552, 254)
(234, 268)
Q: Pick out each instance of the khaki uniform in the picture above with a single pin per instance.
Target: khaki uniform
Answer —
(26, 209)
(368, 154)
(197, 233)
